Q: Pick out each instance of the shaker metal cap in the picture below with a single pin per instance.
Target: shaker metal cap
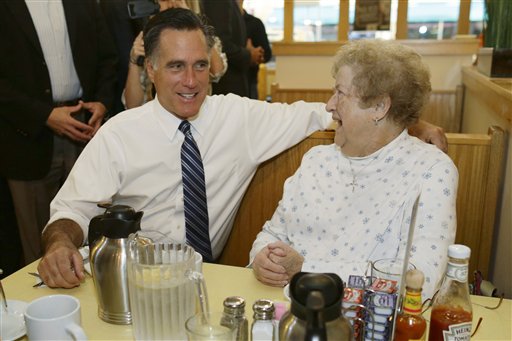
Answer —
(234, 305)
(234, 302)
(263, 309)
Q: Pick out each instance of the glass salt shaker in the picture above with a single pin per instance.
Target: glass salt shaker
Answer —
(263, 328)
(234, 317)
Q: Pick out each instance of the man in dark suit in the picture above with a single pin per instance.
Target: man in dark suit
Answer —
(58, 62)
(226, 18)
(258, 35)
(124, 30)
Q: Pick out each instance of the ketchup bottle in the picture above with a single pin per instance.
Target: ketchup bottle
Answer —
(410, 325)
(452, 316)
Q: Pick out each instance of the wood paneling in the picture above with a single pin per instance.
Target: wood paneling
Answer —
(401, 21)
(293, 95)
(463, 23)
(478, 157)
(343, 25)
(444, 108)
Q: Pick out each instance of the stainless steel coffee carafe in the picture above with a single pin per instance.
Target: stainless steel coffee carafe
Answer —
(108, 245)
(315, 312)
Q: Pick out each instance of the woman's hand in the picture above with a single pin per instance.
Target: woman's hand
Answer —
(166, 4)
(268, 272)
(137, 49)
(286, 256)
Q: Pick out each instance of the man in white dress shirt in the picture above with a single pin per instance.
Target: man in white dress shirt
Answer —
(135, 157)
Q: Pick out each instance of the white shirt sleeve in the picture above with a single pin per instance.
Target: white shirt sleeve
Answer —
(291, 122)
(435, 224)
(95, 178)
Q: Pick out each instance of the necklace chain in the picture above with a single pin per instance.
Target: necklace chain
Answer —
(354, 182)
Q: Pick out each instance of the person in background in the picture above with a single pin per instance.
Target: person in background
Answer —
(10, 245)
(256, 36)
(138, 88)
(135, 155)
(351, 202)
(226, 18)
(57, 78)
(124, 30)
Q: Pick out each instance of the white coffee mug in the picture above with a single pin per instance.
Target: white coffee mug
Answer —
(54, 317)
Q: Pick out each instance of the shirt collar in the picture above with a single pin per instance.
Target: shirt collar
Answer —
(170, 122)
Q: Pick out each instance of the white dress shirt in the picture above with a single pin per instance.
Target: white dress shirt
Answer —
(134, 160)
(52, 31)
(340, 230)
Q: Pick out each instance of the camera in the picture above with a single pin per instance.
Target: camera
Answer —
(142, 8)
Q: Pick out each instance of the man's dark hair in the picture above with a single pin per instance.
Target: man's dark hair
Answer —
(178, 19)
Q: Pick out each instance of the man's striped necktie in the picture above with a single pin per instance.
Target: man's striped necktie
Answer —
(194, 195)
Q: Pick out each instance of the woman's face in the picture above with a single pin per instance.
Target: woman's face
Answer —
(355, 125)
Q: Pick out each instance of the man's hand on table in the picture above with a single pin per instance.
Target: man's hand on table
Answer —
(62, 265)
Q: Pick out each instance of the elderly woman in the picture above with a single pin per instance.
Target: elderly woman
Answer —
(351, 202)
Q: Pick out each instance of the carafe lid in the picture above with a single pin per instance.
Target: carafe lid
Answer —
(328, 285)
(121, 212)
(118, 221)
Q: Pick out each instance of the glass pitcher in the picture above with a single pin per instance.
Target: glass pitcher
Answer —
(163, 286)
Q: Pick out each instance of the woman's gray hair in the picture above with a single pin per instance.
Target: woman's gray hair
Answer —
(383, 68)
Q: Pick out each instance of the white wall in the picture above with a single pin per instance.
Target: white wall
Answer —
(298, 72)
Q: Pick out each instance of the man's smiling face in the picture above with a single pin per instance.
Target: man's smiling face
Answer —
(181, 71)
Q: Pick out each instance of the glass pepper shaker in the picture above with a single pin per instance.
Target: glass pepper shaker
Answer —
(234, 317)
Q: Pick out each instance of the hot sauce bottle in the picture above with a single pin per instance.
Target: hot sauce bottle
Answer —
(410, 325)
(452, 315)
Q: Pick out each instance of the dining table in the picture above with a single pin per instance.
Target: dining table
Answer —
(223, 281)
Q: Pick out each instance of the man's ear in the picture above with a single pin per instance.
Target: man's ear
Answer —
(150, 70)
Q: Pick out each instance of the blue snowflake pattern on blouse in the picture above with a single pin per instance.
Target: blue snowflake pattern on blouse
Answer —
(338, 230)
